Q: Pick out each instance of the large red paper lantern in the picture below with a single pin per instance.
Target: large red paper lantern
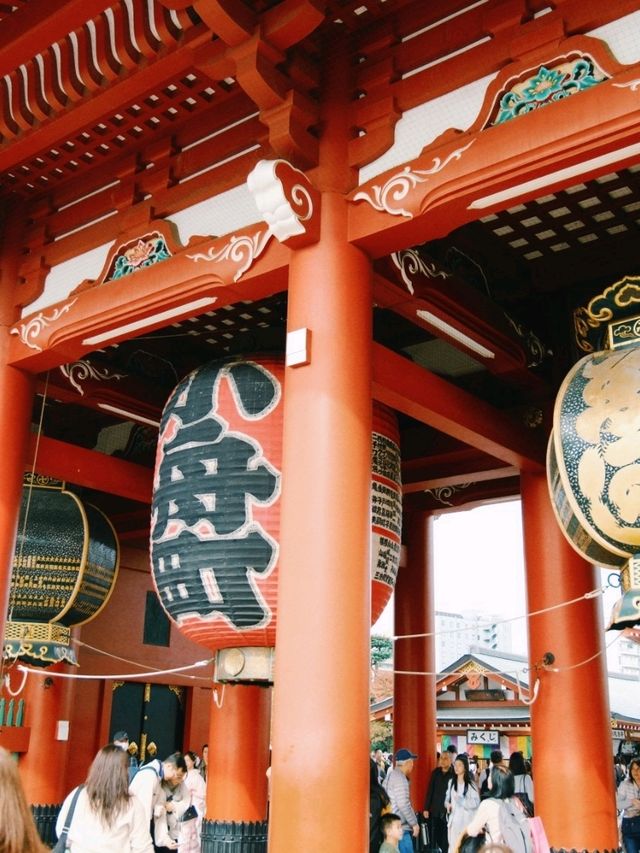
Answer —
(216, 508)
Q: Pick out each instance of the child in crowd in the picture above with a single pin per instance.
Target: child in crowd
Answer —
(391, 827)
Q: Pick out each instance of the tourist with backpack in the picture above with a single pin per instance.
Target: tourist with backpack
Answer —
(500, 817)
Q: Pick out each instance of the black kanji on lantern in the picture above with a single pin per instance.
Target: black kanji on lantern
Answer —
(206, 548)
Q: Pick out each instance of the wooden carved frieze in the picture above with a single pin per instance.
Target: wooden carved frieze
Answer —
(289, 205)
(137, 251)
(288, 202)
(412, 263)
(30, 331)
(523, 86)
(77, 372)
(443, 494)
(548, 85)
(402, 193)
(238, 252)
(632, 85)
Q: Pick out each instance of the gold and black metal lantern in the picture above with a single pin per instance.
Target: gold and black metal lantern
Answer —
(64, 569)
(594, 451)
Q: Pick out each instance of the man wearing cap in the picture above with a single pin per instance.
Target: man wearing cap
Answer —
(397, 785)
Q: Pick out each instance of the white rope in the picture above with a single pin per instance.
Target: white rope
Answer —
(46, 672)
(218, 700)
(533, 695)
(587, 595)
(7, 684)
(127, 660)
(582, 662)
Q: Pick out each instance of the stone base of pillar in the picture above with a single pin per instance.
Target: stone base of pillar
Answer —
(220, 836)
(573, 850)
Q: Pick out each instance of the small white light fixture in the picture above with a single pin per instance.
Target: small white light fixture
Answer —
(298, 348)
(577, 170)
(132, 416)
(454, 333)
(136, 325)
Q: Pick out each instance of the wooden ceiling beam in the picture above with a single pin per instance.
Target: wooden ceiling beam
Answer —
(464, 495)
(147, 80)
(41, 23)
(422, 395)
(465, 465)
(463, 177)
(90, 469)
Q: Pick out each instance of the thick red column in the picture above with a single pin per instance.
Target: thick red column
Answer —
(16, 395)
(43, 766)
(321, 690)
(570, 717)
(239, 754)
(414, 696)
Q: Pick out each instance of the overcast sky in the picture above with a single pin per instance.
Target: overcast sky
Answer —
(479, 565)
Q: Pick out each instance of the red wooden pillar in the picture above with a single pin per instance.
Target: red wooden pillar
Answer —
(319, 780)
(17, 390)
(570, 717)
(239, 754)
(414, 696)
(47, 710)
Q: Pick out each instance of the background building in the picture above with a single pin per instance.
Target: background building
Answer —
(457, 632)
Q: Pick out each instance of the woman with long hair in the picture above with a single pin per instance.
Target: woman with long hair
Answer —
(18, 833)
(486, 820)
(461, 800)
(522, 781)
(628, 801)
(107, 818)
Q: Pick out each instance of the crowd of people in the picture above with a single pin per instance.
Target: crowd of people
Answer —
(159, 806)
(628, 802)
(122, 805)
(463, 806)
(126, 806)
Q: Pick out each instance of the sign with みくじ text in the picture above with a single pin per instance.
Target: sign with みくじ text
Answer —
(490, 738)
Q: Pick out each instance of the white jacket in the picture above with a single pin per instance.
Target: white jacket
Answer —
(87, 834)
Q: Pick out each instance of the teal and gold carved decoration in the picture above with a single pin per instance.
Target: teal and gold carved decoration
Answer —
(594, 467)
(548, 85)
(139, 254)
(624, 333)
(64, 569)
(38, 643)
(607, 320)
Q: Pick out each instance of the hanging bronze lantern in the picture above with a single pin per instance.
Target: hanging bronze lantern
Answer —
(593, 461)
(216, 510)
(64, 569)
